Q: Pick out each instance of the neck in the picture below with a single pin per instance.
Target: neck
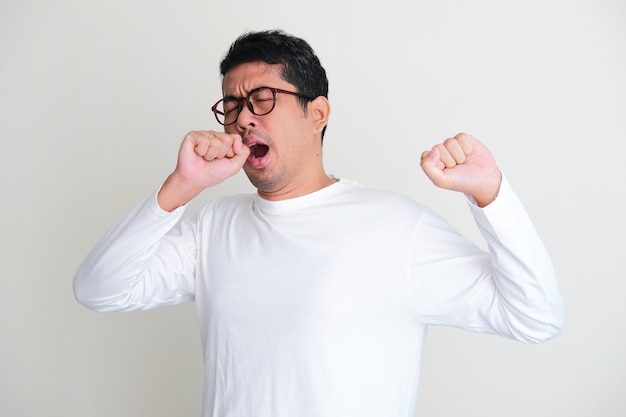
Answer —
(298, 190)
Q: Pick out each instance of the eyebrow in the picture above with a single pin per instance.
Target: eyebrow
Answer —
(232, 97)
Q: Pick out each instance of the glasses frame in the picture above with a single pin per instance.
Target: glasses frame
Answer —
(217, 113)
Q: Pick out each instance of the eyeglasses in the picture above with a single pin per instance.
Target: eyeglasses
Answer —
(260, 101)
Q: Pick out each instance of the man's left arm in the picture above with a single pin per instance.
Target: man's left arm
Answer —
(518, 290)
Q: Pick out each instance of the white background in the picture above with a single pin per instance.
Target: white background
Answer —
(95, 98)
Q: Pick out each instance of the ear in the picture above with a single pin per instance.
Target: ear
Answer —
(320, 111)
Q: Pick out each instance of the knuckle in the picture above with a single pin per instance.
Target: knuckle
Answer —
(450, 142)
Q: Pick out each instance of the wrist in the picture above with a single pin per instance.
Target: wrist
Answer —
(175, 192)
(486, 195)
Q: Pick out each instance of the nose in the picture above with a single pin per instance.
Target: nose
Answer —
(246, 119)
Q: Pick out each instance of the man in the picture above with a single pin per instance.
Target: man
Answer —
(314, 295)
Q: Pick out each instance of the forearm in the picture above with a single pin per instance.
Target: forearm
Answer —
(129, 269)
(526, 290)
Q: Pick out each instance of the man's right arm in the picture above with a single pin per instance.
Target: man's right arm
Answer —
(139, 264)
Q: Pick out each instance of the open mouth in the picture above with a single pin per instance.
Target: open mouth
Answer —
(258, 150)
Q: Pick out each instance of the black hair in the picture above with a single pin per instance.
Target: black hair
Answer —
(300, 65)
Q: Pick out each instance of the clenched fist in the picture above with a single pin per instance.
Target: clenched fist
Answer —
(463, 164)
(205, 159)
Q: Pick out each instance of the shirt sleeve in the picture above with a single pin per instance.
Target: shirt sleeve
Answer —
(510, 290)
(146, 260)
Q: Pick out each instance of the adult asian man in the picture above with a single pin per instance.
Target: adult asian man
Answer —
(314, 294)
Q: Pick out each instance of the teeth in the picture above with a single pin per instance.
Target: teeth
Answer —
(257, 150)
(252, 147)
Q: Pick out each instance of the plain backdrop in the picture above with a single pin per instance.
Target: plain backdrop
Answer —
(95, 98)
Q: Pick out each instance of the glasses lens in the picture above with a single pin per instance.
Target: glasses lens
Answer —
(226, 110)
(262, 101)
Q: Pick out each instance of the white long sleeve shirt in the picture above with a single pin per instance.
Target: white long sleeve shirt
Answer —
(319, 305)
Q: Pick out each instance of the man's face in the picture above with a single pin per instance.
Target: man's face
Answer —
(285, 145)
